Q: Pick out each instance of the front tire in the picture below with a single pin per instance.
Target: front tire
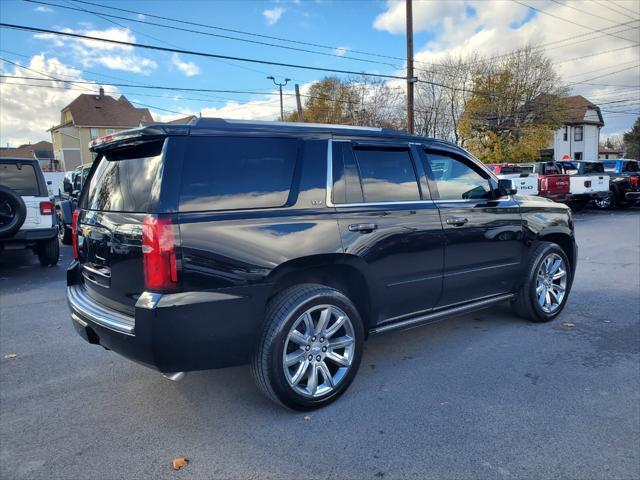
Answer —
(545, 291)
(64, 231)
(49, 252)
(310, 348)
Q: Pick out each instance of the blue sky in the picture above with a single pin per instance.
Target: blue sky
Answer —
(456, 27)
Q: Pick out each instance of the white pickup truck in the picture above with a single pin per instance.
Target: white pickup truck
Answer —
(525, 181)
(588, 180)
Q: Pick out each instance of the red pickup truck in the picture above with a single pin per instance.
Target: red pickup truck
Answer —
(552, 183)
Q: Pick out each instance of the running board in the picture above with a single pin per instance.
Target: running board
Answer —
(441, 314)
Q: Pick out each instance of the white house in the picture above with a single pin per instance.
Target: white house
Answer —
(579, 138)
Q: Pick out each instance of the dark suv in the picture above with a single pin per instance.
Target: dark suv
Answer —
(224, 242)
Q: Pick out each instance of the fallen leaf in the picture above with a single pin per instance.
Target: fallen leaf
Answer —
(568, 324)
(10, 356)
(307, 418)
(179, 462)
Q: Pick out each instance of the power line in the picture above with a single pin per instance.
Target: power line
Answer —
(569, 21)
(566, 5)
(199, 32)
(596, 54)
(196, 53)
(608, 5)
(624, 8)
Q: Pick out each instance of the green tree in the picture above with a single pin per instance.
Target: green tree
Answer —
(514, 107)
(632, 141)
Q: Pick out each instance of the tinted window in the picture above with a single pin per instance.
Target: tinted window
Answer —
(630, 167)
(125, 180)
(455, 179)
(387, 175)
(23, 180)
(237, 173)
(593, 167)
(346, 179)
(511, 169)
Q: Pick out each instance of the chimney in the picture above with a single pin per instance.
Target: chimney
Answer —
(101, 92)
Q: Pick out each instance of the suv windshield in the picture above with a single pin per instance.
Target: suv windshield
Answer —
(126, 179)
(19, 177)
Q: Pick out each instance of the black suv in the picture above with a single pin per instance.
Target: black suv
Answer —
(284, 245)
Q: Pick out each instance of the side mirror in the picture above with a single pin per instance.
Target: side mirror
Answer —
(506, 187)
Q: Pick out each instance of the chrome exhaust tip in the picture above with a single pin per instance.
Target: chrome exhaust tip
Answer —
(174, 377)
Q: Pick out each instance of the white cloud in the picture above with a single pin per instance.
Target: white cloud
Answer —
(273, 15)
(188, 68)
(43, 9)
(340, 51)
(493, 27)
(111, 55)
(26, 112)
(140, 16)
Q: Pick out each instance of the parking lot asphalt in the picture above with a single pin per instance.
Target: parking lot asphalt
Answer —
(485, 395)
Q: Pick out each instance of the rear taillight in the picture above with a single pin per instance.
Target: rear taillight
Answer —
(46, 208)
(159, 254)
(74, 233)
(634, 181)
(543, 184)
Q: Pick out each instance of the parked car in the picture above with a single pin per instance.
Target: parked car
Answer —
(67, 200)
(576, 183)
(26, 211)
(554, 184)
(624, 188)
(525, 180)
(286, 246)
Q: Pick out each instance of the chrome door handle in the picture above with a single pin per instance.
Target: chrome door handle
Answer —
(362, 227)
(457, 221)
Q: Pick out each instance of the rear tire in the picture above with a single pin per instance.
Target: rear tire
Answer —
(64, 232)
(531, 300)
(608, 202)
(302, 344)
(49, 252)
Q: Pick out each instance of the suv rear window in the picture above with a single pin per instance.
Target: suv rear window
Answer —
(593, 167)
(19, 177)
(237, 173)
(126, 179)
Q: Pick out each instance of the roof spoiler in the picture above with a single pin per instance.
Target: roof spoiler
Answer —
(136, 135)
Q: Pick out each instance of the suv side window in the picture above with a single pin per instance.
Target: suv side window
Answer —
(231, 173)
(455, 179)
(387, 174)
(630, 167)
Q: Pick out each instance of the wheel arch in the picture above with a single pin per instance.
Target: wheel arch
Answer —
(346, 273)
(564, 240)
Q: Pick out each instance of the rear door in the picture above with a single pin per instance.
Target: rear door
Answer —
(123, 187)
(484, 235)
(387, 219)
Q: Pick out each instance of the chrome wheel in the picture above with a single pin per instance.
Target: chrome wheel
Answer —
(603, 202)
(318, 351)
(551, 283)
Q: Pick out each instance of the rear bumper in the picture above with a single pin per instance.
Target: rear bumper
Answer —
(632, 196)
(34, 235)
(172, 332)
(573, 198)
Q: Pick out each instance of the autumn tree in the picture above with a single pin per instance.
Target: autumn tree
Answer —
(353, 101)
(632, 141)
(514, 107)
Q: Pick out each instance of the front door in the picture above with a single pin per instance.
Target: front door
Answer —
(389, 223)
(484, 234)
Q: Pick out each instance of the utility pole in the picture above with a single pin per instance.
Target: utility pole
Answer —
(280, 85)
(299, 103)
(410, 78)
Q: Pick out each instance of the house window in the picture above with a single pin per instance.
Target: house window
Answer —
(577, 134)
(577, 155)
(565, 135)
(109, 131)
(94, 133)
